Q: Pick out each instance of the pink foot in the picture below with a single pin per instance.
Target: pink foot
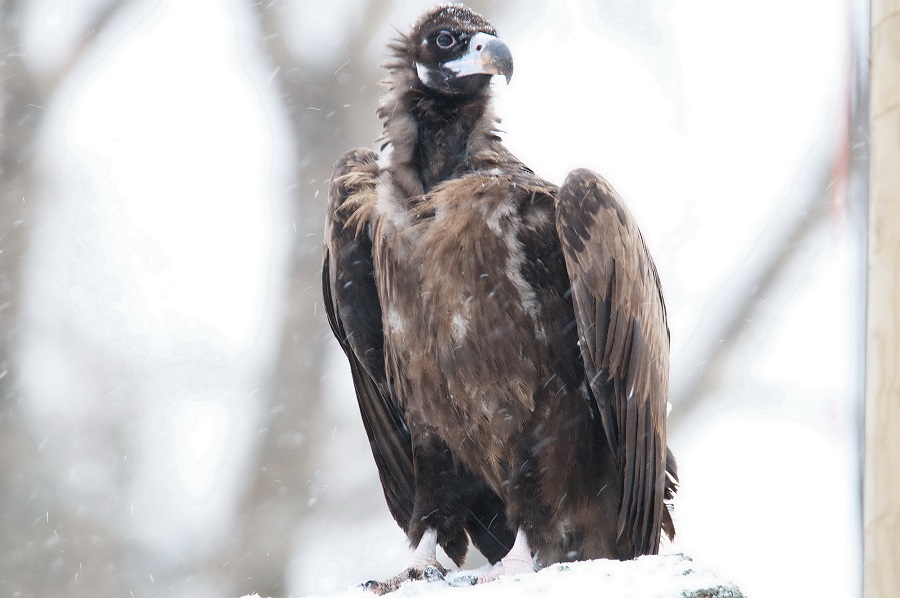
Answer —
(516, 562)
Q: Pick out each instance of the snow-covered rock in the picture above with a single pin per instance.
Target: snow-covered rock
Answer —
(663, 576)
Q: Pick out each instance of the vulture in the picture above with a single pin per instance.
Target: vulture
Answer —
(507, 338)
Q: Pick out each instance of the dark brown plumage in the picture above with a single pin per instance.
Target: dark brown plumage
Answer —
(507, 338)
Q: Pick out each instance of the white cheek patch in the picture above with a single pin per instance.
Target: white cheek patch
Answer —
(422, 72)
(431, 77)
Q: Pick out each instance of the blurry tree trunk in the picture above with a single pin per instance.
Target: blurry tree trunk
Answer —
(36, 526)
(19, 119)
(320, 106)
(881, 517)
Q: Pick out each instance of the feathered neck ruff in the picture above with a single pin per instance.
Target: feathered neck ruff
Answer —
(427, 136)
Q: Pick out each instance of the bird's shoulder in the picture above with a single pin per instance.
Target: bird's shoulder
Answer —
(353, 194)
(510, 186)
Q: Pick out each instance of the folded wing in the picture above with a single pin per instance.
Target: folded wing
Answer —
(354, 313)
(624, 342)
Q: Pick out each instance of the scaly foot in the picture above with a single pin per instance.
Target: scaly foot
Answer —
(431, 572)
(516, 562)
(422, 565)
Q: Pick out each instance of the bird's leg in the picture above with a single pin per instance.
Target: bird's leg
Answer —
(425, 553)
(517, 561)
(423, 564)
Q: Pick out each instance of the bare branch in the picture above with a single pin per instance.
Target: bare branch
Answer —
(837, 164)
(805, 208)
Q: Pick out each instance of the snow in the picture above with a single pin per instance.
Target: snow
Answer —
(661, 576)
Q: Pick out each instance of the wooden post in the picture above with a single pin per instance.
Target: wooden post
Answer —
(881, 505)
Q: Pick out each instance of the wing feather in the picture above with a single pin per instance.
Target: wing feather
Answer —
(354, 313)
(624, 339)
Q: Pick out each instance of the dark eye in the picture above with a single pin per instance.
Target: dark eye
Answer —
(445, 40)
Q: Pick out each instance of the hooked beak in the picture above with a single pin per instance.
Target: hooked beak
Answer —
(487, 55)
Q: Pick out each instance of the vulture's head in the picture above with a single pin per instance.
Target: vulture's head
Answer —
(455, 50)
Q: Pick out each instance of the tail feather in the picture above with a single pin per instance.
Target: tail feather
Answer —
(668, 525)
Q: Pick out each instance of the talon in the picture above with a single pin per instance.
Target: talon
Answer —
(375, 587)
(434, 573)
(387, 586)
(493, 573)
